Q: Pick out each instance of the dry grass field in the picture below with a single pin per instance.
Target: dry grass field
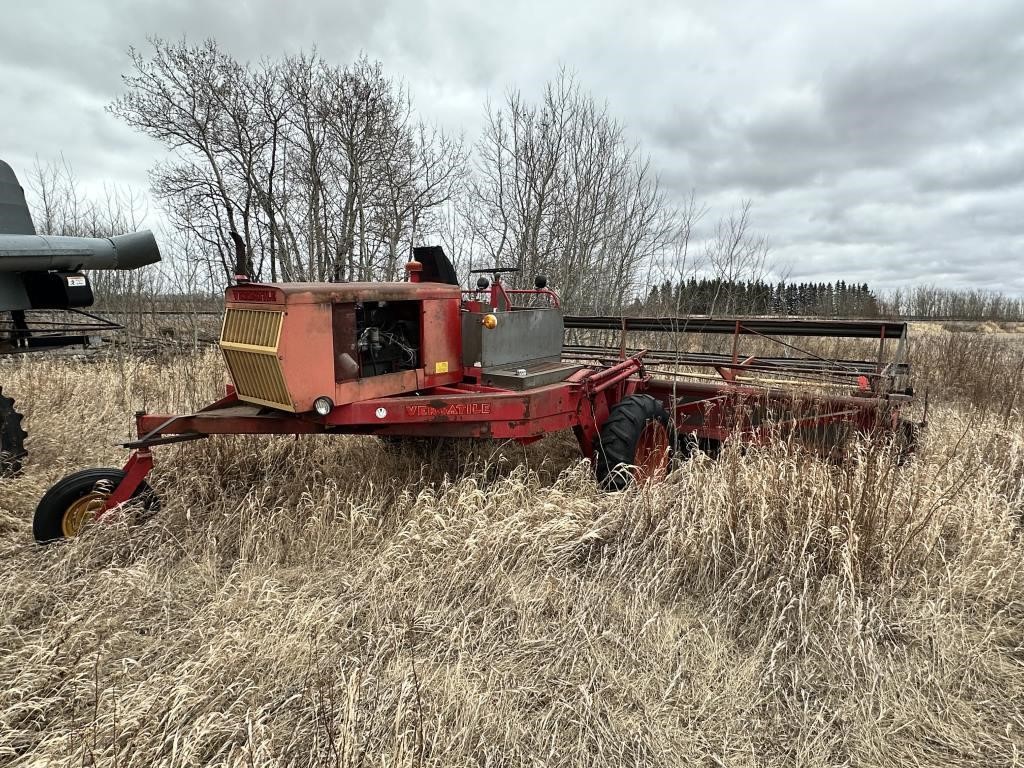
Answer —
(343, 602)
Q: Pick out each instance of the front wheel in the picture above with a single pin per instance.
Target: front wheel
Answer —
(66, 508)
(637, 443)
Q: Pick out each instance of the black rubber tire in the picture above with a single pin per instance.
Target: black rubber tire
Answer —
(47, 522)
(12, 437)
(620, 433)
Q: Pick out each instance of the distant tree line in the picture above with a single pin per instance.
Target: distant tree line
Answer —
(709, 296)
(929, 301)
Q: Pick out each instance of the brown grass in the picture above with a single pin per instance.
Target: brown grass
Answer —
(341, 602)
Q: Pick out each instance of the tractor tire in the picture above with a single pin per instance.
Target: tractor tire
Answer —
(12, 438)
(637, 443)
(66, 507)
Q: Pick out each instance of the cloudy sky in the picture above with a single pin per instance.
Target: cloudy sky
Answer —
(878, 141)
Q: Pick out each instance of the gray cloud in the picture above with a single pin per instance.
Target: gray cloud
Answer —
(879, 146)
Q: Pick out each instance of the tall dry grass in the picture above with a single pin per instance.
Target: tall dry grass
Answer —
(342, 602)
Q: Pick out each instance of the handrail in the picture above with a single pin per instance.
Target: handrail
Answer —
(501, 296)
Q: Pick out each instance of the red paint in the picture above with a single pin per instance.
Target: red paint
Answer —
(135, 471)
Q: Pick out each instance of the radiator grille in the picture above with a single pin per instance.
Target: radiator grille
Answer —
(249, 340)
(252, 327)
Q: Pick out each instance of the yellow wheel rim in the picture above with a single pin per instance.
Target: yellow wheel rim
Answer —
(82, 511)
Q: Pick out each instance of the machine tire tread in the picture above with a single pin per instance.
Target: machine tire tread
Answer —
(12, 437)
(620, 434)
(46, 523)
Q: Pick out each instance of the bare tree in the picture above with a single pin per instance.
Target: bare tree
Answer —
(557, 189)
(293, 169)
(735, 253)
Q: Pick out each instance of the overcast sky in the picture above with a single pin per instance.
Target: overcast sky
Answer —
(881, 142)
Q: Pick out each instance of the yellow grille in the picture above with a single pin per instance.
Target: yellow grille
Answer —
(258, 378)
(249, 340)
(252, 327)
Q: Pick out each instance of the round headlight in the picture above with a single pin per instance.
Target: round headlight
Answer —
(323, 405)
(490, 321)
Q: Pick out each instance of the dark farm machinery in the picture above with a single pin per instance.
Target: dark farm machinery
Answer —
(43, 290)
(426, 359)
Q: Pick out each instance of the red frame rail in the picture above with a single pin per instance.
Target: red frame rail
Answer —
(710, 412)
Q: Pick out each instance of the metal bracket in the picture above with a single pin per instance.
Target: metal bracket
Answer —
(153, 437)
(146, 442)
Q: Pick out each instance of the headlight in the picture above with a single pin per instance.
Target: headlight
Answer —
(490, 321)
(323, 405)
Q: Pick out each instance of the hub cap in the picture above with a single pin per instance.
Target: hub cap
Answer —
(652, 452)
(81, 511)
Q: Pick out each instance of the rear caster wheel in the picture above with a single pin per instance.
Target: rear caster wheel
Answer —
(69, 505)
(637, 443)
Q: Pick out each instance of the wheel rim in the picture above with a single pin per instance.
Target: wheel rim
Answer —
(79, 512)
(652, 452)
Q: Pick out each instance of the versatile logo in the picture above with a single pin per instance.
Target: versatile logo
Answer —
(455, 409)
(253, 294)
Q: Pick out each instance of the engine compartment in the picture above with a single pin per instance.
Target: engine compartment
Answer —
(387, 336)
